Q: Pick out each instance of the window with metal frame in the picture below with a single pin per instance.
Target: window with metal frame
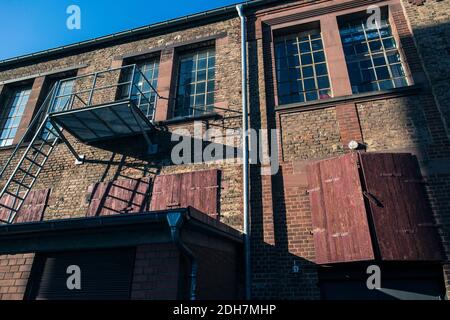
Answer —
(12, 114)
(373, 59)
(63, 95)
(196, 83)
(61, 102)
(301, 67)
(145, 96)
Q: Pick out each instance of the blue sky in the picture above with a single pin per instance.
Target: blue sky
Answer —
(27, 26)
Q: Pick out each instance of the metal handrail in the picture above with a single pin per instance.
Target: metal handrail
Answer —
(151, 86)
(98, 88)
(93, 88)
(98, 72)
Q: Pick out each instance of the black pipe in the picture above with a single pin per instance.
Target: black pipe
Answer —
(176, 220)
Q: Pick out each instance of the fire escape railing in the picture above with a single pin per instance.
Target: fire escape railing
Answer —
(115, 96)
(46, 134)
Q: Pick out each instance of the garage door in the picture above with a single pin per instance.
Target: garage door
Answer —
(104, 274)
(398, 281)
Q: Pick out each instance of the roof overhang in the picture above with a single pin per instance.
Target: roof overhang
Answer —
(128, 35)
(111, 232)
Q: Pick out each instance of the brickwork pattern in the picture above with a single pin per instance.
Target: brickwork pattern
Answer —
(156, 271)
(14, 273)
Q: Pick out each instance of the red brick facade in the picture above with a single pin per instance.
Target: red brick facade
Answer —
(14, 274)
(413, 119)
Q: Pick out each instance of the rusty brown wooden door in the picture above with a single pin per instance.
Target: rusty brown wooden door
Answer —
(400, 211)
(340, 227)
(198, 189)
(32, 209)
(119, 196)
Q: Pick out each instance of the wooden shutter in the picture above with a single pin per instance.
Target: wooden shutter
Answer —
(105, 274)
(198, 189)
(400, 211)
(32, 209)
(119, 196)
(340, 227)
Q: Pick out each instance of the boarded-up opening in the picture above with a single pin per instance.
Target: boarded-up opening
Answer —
(341, 230)
(198, 189)
(371, 205)
(104, 274)
(399, 208)
(119, 196)
(32, 209)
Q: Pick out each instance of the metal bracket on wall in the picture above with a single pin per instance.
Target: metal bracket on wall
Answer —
(79, 158)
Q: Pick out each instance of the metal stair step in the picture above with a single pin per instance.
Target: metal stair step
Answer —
(15, 195)
(39, 151)
(28, 173)
(47, 142)
(21, 184)
(34, 162)
(8, 207)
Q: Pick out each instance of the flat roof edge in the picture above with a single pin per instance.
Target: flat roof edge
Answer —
(120, 220)
(229, 10)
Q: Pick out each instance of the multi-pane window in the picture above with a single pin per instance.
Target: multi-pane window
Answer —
(301, 68)
(373, 59)
(196, 83)
(142, 93)
(12, 114)
(63, 95)
(62, 101)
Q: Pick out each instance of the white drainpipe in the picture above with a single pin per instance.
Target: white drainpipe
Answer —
(248, 273)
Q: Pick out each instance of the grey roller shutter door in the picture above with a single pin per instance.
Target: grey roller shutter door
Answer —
(105, 274)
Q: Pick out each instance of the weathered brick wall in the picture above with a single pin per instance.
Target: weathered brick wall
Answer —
(219, 273)
(430, 23)
(126, 158)
(162, 273)
(14, 273)
(156, 272)
(397, 123)
(282, 230)
(310, 134)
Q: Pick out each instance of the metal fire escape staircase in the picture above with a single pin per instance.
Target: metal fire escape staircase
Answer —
(116, 113)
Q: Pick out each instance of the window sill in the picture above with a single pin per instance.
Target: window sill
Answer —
(355, 98)
(209, 115)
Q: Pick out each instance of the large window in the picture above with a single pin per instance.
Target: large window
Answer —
(196, 83)
(373, 59)
(302, 73)
(145, 96)
(61, 102)
(12, 114)
(63, 95)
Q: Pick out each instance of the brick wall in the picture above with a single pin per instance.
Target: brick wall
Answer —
(14, 273)
(281, 218)
(162, 273)
(156, 272)
(394, 124)
(430, 24)
(429, 21)
(219, 273)
(310, 134)
(126, 158)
